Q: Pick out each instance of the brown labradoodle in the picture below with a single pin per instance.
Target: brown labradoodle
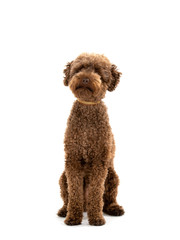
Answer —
(89, 182)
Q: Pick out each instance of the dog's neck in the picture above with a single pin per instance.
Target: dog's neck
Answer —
(89, 113)
(88, 103)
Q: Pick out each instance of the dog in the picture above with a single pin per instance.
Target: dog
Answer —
(89, 182)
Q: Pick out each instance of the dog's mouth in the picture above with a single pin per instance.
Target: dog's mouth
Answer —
(83, 87)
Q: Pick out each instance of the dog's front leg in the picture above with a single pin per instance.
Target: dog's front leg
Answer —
(95, 196)
(75, 195)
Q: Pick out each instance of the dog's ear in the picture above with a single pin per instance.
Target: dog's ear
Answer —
(67, 73)
(115, 79)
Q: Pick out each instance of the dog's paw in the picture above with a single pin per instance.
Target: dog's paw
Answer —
(62, 212)
(97, 221)
(114, 210)
(72, 221)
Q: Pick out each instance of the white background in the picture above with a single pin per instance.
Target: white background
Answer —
(37, 39)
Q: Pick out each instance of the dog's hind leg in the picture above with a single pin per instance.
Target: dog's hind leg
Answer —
(64, 194)
(111, 207)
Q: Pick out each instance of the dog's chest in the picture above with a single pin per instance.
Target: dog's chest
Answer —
(89, 139)
(88, 134)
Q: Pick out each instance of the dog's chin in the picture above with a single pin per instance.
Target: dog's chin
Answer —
(83, 89)
(83, 93)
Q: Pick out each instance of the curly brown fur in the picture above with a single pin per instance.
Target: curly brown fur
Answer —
(89, 181)
(64, 194)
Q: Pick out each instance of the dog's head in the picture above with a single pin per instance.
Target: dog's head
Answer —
(90, 75)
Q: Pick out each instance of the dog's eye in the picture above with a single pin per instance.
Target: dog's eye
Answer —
(79, 69)
(97, 70)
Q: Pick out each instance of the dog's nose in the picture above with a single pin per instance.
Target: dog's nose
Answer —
(85, 80)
